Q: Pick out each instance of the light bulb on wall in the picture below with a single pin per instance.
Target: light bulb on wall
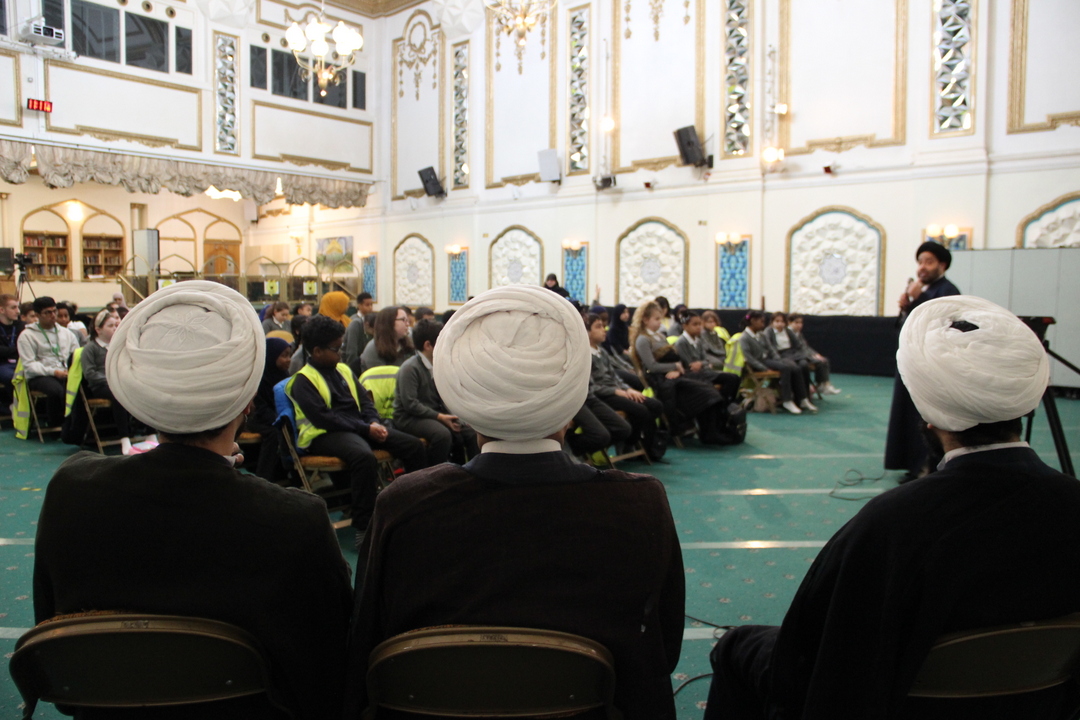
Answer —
(951, 232)
(607, 124)
(453, 249)
(721, 238)
(772, 154)
(75, 212)
(933, 230)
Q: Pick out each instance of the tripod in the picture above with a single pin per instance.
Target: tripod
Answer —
(23, 281)
(1039, 326)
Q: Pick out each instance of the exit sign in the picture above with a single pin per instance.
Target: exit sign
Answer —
(42, 105)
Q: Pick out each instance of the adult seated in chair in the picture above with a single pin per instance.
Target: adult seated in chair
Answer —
(45, 349)
(10, 329)
(335, 417)
(522, 535)
(93, 368)
(392, 344)
(418, 409)
(988, 539)
(178, 530)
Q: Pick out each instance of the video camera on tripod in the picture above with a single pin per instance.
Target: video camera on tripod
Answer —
(9, 260)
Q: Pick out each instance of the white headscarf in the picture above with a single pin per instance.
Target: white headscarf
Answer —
(188, 358)
(514, 363)
(996, 371)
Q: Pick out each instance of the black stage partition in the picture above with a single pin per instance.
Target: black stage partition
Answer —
(854, 344)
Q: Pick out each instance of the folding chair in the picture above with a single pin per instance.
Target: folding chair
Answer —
(120, 660)
(35, 423)
(640, 452)
(479, 671)
(92, 405)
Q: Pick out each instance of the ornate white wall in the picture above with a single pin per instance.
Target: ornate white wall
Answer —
(834, 265)
(652, 261)
(1055, 226)
(414, 273)
(516, 257)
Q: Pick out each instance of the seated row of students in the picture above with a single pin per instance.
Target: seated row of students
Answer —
(783, 349)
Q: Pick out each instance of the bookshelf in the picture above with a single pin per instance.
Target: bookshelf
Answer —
(102, 256)
(49, 252)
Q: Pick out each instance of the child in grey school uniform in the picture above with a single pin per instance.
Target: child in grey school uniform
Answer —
(812, 356)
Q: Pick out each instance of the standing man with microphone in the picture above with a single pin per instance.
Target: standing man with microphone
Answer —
(905, 446)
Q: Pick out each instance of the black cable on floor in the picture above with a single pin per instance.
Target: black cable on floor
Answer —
(853, 478)
(690, 681)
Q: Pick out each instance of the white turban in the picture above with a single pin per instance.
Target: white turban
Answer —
(967, 361)
(188, 358)
(514, 363)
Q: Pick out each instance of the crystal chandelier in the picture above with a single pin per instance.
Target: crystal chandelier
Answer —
(518, 17)
(326, 69)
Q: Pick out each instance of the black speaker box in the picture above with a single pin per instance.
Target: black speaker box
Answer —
(689, 146)
(7, 261)
(432, 186)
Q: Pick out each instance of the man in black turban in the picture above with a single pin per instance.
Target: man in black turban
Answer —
(905, 447)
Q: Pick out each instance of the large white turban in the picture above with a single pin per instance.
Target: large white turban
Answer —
(967, 361)
(514, 362)
(188, 358)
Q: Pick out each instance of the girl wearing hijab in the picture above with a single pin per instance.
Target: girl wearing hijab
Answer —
(333, 305)
(552, 284)
(617, 346)
(275, 369)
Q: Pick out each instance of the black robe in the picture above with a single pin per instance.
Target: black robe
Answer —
(178, 531)
(905, 447)
(991, 539)
(529, 541)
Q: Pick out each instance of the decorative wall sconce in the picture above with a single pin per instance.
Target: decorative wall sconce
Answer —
(951, 236)
(75, 211)
(572, 245)
(607, 124)
(455, 249)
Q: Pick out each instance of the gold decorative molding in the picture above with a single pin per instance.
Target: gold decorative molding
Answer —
(521, 179)
(300, 159)
(415, 193)
(375, 8)
(113, 135)
(671, 226)
(441, 100)
(275, 212)
(813, 216)
(1042, 210)
(304, 8)
(847, 142)
(1018, 80)
(489, 101)
(616, 86)
(654, 164)
(16, 83)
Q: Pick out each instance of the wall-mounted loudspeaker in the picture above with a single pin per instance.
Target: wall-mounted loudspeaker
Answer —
(7, 261)
(432, 186)
(603, 182)
(549, 166)
(690, 147)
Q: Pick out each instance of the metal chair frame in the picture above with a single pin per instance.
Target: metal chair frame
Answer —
(481, 671)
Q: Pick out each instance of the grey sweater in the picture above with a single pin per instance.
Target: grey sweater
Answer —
(356, 339)
(691, 351)
(757, 351)
(93, 364)
(646, 347)
(416, 397)
(604, 381)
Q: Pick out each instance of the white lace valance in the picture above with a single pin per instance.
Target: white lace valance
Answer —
(63, 167)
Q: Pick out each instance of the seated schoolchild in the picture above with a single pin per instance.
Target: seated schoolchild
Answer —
(714, 338)
(605, 383)
(596, 427)
(65, 318)
(812, 356)
(10, 328)
(262, 418)
(27, 313)
(335, 417)
(687, 397)
(691, 348)
(392, 344)
(418, 409)
(277, 317)
(761, 356)
(93, 369)
(299, 357)
(678, 315)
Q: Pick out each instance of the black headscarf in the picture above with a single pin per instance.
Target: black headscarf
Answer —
(265, 411)
(618, 337)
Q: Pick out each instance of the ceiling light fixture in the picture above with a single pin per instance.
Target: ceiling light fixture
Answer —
(325, 68)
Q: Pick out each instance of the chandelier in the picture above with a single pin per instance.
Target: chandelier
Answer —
(323, 66)
(518, 17)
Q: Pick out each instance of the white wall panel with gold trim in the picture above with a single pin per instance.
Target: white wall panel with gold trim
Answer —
(658, 80)
(10, 83)
(418, 61)
(151, 113)
(521, 103)
(328, 141)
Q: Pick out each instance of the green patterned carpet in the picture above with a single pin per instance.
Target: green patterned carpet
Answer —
(772, 492)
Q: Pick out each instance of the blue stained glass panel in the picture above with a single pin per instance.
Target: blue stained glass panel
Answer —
(734, 275)
(459, 277)
(575, 272)
(369, 277)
